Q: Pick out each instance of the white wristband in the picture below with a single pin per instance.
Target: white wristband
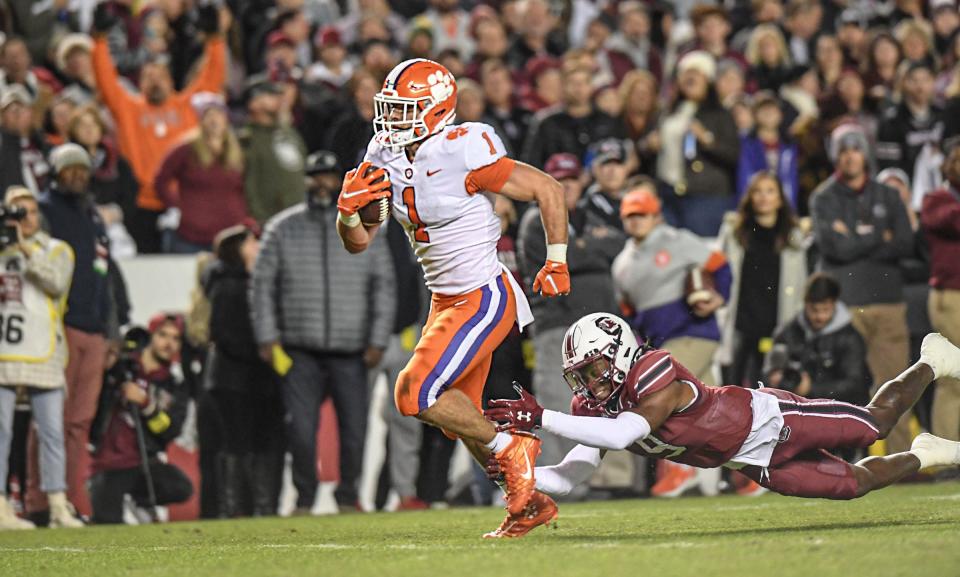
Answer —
(557, 253)
(351, 221)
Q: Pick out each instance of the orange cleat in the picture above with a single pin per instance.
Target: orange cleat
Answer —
(541, 510)
(516, 465)
(674, 479)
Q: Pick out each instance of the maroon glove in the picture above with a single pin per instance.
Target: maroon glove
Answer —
(523, 414)
(492, 469)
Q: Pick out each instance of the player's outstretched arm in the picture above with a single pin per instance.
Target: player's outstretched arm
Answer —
(575, 469)
(526, 184)
(361, 186)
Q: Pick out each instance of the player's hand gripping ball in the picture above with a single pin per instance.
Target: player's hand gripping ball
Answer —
(366, 191)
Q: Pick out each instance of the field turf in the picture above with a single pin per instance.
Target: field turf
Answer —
(910, 530)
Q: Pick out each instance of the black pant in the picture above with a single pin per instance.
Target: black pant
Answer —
(312, 378)
(107, 489)
(142, 226)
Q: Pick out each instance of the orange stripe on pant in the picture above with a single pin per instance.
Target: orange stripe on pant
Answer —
(457, 345)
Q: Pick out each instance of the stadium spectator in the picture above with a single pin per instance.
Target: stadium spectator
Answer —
(71, 216)
(245, 389)
(112, 182)
(819, 354)
(916, 122)
(510, 121)
(769, 149)
(649, 276)
(37, 271)
(940, 218)
(767, 254)
(641, 115)
(594, 243)
(609, 167)
(143, 394)
(711, 24)
(880, 68)
(915, 37)
(75, 67)
(273, 152)
(829, 61)
(202, 179)
(802, 21)
(149, 124)
(699, 147)
(611, 65)
(572, 128)
(11, 165)
(861, 249)
(491, 43)
(450, 25)
(537, 35)
(332, 66)
(768, 57)
(544, 87)
(332, 313)
(57, 118)
(632, 38)
(18, 68)
(350, 134)
(19, 133)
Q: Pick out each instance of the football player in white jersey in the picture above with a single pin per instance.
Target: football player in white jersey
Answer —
(440, 179)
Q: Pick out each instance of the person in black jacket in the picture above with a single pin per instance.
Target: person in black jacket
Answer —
(574, 127)
(244, 388)
(71, 216)
(820, 354)
(147, 387)
(699, 149)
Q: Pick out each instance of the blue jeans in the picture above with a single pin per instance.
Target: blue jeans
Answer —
(47, 405)
(313, 377)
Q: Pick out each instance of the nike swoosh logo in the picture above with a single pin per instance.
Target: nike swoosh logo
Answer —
(528, 474)
(432, 172)
(357, 193)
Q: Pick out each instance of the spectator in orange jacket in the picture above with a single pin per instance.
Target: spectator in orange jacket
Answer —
(149, 124)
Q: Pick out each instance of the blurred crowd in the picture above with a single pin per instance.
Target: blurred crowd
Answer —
(768, 189)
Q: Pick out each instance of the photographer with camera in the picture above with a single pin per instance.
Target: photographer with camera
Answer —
(36, 272)
(819, 353)
(142, 408)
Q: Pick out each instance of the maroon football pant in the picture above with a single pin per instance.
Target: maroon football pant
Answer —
(801, 465)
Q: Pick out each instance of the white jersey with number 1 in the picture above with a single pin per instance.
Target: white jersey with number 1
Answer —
(440, 201)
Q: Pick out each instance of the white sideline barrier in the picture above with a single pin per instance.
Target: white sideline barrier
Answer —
(158, 283)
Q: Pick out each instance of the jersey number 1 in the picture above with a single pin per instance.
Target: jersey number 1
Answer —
(409, 199)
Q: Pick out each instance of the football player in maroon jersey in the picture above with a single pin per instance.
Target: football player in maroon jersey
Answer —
(628, 396)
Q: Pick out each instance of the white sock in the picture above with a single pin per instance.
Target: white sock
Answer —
(499, 442)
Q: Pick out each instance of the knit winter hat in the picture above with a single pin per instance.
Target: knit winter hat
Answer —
(846, 136)
(698, 60)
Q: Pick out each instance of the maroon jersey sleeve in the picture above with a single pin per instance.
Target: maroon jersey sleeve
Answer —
(651, 373)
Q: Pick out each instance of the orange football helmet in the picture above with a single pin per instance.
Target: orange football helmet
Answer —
(418, 99)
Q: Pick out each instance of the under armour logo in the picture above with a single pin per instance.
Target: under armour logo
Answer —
(524, 416)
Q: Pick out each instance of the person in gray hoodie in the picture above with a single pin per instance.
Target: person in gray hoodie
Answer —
(862, 231)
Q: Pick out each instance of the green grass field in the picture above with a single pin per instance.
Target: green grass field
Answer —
(907, 530)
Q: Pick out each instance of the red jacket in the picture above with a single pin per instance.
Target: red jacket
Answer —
(940, 218)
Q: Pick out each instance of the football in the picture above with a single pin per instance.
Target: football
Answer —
(699, 286)
(377, 211)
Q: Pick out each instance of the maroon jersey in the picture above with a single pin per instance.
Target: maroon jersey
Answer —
(708, 433)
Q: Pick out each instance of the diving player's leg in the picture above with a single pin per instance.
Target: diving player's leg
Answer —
(938, 358)
(926, 451)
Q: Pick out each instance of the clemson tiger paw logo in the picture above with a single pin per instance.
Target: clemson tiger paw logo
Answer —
(441, 86)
